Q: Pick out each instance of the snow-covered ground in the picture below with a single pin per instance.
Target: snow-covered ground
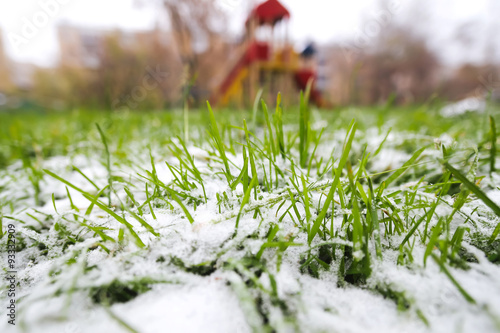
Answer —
(204, 277)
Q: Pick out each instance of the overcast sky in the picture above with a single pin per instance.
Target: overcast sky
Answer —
(460, 30)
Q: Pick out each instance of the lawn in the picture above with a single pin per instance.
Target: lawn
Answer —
(352, 220)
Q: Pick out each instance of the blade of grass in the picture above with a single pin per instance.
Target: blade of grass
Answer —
(304, 129)
(382, 143)
(183, 207)
(278, 123)
(345, 153)
(245, 200)
(86, 177)
(405, 167)
(270, 130)
(480, 194)
(108, 162)
(218, 142)
(100, 205)
(251, 156)
(462, 291)
(493, 149)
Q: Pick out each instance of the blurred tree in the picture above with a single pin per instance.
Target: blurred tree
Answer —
(197, 27)
(137, 71)
(472, 81)
(396, 64)
(400, 65)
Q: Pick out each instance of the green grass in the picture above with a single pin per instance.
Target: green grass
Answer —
(321, 186)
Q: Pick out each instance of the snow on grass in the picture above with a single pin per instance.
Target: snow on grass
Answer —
(471, 104)
(230, 232)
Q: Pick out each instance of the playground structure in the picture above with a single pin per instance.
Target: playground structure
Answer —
(266, 60)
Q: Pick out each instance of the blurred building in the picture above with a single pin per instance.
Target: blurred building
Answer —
(22, 74)
(84, 47)
(14, 75)
(5, 83)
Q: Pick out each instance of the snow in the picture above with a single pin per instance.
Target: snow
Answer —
(54, 288)
(471, 104)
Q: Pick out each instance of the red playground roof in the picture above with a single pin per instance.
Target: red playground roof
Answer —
(270, 12)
